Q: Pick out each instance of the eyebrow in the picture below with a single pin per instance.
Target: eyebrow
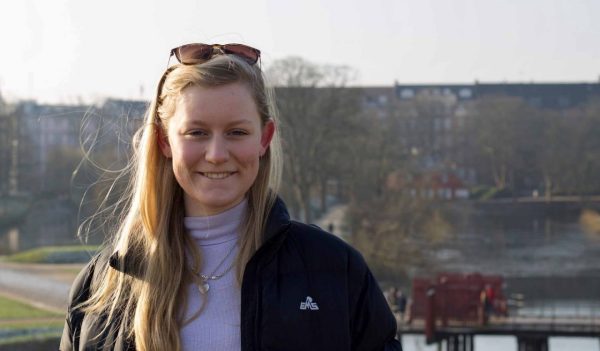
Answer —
(232, 123)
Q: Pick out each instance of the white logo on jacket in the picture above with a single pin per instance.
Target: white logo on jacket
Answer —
(309, 304)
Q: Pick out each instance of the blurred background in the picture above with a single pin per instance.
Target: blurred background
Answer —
(441, 139)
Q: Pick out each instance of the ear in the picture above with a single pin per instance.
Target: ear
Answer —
(268, 130)
(163, 143)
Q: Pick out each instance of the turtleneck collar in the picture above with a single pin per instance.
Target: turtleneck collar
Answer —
(277, 223)
(219, 228)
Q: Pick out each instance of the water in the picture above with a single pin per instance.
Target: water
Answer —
(517, 243)
(47, 223)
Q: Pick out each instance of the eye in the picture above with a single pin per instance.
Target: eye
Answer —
(238, 132)
(196, 133)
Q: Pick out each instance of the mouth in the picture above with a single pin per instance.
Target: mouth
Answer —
(217, 175)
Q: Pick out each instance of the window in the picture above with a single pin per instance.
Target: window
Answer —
(407, 93)
(465, 93)
(564, 102)
(535, 102)
(447, 123)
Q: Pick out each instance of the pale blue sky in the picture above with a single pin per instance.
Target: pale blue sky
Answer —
(59, 50)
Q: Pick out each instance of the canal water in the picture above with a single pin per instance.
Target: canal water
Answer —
(517, 242)
(49, 222)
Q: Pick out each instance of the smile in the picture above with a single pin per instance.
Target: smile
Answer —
(216, 175)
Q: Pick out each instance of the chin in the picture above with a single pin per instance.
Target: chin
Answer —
(219, 204)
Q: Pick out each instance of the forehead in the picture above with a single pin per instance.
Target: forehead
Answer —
(220, 104)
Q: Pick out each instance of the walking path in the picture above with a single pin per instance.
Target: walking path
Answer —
(41, 285)
(334, 216)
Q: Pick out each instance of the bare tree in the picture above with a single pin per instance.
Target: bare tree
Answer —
(318, 115)
(583, 150)
(502, 129)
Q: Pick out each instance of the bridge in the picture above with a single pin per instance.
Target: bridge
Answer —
(532, 333)
(450, 311)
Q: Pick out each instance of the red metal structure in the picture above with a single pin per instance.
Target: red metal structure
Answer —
(455, 299)
(449, 310)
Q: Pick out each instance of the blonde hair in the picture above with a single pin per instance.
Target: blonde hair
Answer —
(152, 234)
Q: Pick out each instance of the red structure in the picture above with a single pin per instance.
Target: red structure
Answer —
(449, 310)
(455, 299)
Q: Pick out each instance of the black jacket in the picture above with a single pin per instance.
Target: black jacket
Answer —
(304, 289)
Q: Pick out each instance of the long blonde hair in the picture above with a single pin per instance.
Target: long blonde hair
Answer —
(152, 234)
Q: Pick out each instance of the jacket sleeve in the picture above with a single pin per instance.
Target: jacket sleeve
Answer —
(373, 323)
(78, 294)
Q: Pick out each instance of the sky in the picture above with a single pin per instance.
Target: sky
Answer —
(66, 51)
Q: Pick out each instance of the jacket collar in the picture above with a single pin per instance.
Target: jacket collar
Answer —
(277, 221)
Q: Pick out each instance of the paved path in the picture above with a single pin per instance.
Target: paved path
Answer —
(44, 286)
(335, 215)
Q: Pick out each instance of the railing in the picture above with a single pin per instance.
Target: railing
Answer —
(574, 316)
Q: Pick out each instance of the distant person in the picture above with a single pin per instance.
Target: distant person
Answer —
(390, 296)
(482, 310)
(401, 304)
(486, 298)
(206, 256)
(490, 297)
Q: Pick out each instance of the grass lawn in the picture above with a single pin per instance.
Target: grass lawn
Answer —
(21, 322)
(55, 254)
(56, 322)
(12, 309)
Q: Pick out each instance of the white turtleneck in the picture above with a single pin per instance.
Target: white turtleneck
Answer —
(218, 326)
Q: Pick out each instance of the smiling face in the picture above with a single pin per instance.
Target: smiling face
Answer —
(215, 139)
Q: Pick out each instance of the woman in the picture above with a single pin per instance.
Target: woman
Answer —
(206, 256)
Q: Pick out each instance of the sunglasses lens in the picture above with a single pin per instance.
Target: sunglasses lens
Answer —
(248, 53)
(193, 53)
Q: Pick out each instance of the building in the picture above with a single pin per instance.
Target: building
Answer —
(34, 136)
(541, 95)
(432, 116)
(6, 146)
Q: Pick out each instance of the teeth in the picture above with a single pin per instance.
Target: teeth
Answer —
(216, 175)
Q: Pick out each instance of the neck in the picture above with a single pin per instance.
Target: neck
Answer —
(222, 227)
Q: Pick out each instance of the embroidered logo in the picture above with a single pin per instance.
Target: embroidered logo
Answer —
(309, 304)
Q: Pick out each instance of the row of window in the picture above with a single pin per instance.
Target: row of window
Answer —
(463, 93)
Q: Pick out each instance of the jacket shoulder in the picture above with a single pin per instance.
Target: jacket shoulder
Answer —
(81, 285)
(323, 246)
(79, 293)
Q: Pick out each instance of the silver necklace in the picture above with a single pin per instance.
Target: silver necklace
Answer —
(203, 285)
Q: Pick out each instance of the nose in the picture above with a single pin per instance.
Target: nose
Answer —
(216, 151)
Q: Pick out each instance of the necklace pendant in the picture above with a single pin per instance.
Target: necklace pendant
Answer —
(203, 287)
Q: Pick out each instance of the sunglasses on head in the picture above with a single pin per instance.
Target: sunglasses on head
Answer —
(191, 54)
